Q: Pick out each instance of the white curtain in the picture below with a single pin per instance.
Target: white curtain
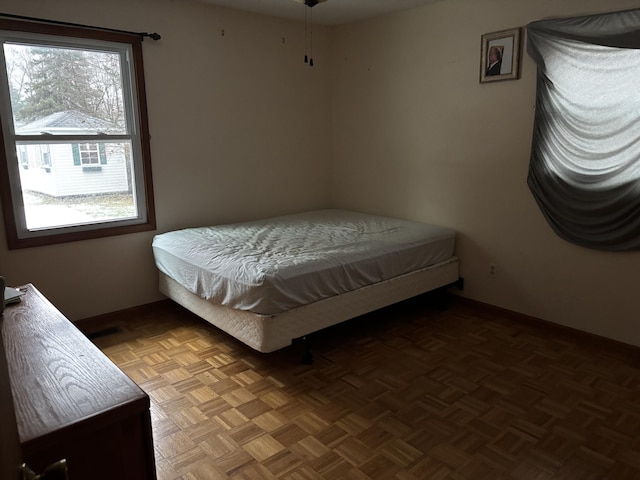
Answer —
(584, 170)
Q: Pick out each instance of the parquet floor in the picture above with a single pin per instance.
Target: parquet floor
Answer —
(405, 393)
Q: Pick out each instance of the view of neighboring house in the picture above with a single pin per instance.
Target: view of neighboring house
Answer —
(62, 169)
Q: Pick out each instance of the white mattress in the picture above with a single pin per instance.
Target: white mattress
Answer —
(275, 265)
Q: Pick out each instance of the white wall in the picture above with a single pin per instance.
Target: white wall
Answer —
(417, 136)
(239, 127)
(242, 129)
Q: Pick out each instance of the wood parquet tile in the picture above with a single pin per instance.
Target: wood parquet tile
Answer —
(405, 393)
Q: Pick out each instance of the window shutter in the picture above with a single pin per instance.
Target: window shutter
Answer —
(102, 153)
(76, 153)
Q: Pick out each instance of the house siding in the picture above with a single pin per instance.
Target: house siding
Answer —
(66, 179)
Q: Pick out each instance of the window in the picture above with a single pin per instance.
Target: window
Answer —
(585, 161)
(73, 104)
(24, 159)
(89, 154)
(46, 157)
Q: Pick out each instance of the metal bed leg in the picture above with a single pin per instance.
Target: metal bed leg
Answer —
(307, 357)
(441, 293)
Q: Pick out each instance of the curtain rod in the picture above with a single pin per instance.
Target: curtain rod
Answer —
(153, 36)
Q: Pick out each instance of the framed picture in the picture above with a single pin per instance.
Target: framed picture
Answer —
(500, 56)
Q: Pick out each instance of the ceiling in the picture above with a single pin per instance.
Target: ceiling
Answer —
(330, 12)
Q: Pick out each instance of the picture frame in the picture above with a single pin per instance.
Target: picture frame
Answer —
(500, 56)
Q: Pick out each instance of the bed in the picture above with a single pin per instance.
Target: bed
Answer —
(270, 282)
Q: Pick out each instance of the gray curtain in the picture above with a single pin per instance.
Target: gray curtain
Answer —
(584, 170)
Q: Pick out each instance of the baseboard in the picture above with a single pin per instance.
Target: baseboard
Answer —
(557, 329)
(94, 325)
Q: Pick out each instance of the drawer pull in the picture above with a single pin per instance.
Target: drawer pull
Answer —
(55, 471)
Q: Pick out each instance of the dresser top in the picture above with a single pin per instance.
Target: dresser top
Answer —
(59, 379)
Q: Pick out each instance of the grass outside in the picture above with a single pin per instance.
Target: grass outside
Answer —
(98, 207)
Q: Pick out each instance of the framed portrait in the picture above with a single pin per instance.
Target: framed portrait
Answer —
(500, 56)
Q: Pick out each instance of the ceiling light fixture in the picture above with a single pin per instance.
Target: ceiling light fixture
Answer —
(308, 29)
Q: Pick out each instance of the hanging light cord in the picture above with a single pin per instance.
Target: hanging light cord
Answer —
(308, 33)
(311, 38)
(306, 36)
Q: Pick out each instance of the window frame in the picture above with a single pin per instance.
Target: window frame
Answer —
(10, 190)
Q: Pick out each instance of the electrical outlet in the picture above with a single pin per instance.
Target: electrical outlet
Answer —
(493, 270)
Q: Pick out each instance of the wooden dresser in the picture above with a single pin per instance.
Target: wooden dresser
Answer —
(70, 400)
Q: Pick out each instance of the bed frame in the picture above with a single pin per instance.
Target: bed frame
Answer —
(267, 333)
